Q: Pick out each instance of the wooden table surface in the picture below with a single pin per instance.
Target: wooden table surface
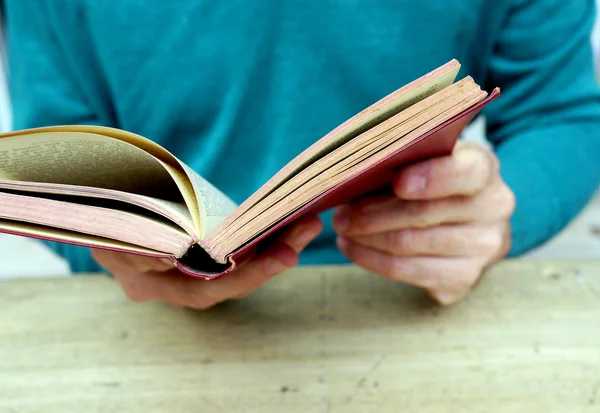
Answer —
(314, 340)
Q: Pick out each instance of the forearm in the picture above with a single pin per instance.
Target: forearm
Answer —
(553, 171)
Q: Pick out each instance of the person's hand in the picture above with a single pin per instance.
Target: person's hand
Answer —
(152, 279)
(446, 222)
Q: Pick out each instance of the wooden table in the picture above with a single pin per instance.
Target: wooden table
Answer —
(313, 340)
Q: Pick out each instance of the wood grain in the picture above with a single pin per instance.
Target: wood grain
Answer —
(332, 339)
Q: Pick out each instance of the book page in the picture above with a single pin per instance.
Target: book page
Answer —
(84, 160)
(390, 105)
(213, 204)
(176, 211)
(169, 162)
(410, 118)
(330, 178)
(394, 107)
(205, 203)
(102, 218)
(208, 205)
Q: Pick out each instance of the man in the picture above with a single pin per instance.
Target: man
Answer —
(237, 85)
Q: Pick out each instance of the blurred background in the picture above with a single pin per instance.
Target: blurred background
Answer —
(21, 257)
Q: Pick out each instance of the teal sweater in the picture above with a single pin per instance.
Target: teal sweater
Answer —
(237, 88)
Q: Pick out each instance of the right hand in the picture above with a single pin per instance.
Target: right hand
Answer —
(152, 279)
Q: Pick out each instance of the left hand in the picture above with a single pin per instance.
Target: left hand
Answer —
(153, 279)
(445, 224)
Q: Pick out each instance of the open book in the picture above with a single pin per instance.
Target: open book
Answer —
(107, 188)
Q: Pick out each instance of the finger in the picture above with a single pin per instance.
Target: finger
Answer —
(253, 274)
(180, 290)
(302, 233)
(143, 281)
(115, 261)
(446, 279)
(297, 238)
(446, 240)
(466, 172)
(369, 216)
(166, 286)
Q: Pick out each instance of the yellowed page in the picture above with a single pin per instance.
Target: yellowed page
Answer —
(395, 102)
(163, 157)
(200, 196)
(84, 160)
(208, 205)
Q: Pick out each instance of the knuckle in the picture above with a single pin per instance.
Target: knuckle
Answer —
(494, 162)
(439, 241)
(420, 213)
(505, 201)
(477, 165)
(361, 216)
(473, 160)
(481, 171)
(399, 241)
(478, 184)
(489, 240)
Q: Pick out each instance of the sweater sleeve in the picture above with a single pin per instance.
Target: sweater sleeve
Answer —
(546, 124)
(45, 88)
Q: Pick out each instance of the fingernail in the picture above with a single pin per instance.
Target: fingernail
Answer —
(274, 266)
(415, 184)
(341, 219)
(304, 236)
(300, 235)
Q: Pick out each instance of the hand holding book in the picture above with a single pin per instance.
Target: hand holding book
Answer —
(154, 279)
(444, 223)
(106, 188)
